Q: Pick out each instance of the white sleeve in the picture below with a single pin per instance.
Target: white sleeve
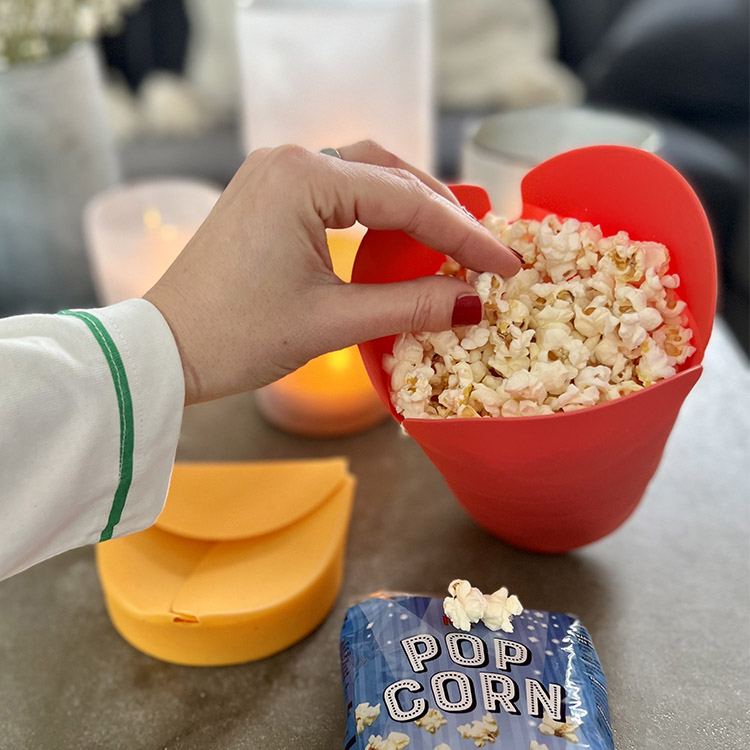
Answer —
(90, 413)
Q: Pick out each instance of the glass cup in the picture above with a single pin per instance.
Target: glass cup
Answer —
(501, 148)
(135, 231)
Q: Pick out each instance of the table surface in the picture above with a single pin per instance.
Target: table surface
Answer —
(666, 598)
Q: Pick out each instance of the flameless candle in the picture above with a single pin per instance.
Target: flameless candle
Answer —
(323, 73)
(331, 395)
(134, 232)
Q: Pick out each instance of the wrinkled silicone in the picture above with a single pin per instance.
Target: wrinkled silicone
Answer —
(557, 482)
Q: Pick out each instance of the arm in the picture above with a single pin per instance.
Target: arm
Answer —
(90, 412)
(91, 401)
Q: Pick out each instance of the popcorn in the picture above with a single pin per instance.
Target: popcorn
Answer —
(534, 745)
(588, 319)
(524, 385)
(524, 408)
(442, 746)
(394, 741)
(552, 728)
(467, 604)
(446, 345)
(554, 376)
(476, 337)
(408, 349)
(575, 398)
(631, 332)
(653, 364)
(481, 732)
(431, 721)
(597, 377)
(488, 398)
(500, 610)
(595, 320)
(410, 378)
(365, 716)
(673, 338)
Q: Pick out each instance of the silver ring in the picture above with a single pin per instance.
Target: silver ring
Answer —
(331, 152)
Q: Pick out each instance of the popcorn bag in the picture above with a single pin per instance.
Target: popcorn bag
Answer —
(555, 482)
(414, 680)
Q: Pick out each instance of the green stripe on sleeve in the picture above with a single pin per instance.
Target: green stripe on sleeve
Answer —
(125, 406)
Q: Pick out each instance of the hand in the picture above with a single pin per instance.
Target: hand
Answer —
(253, 296)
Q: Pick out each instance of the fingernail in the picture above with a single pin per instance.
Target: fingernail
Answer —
(518, 255)
(467, 311)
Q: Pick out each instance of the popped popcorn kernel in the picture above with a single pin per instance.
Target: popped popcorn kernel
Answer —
(566, 730)
(365, 716)
(586, 320)
(467, 605)
(482, 731)
(431, 721)
(394, 741)
(500, 610)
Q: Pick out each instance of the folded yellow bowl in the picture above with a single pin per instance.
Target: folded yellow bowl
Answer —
(245, 560)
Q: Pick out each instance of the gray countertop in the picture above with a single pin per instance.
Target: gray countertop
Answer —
(666, 599)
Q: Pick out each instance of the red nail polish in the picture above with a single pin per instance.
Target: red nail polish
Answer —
(518, 255)
(467, 311)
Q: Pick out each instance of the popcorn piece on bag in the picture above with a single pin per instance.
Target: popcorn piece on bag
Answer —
(483, 731)
(431, 721)
(467, 604)
(365, 715)
(394, 741)
(566, 730)
(588, 319)
(426, 683)
(500, 610)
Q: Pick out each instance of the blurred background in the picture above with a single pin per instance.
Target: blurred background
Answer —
(182, 88)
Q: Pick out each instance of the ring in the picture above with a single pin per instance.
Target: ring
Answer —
(331, 152)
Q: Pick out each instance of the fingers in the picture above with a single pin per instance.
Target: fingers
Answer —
(373, 153)
(393, 198)
(341, 192)
(360, 312)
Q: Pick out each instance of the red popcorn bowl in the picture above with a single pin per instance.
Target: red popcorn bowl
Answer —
(556, 482)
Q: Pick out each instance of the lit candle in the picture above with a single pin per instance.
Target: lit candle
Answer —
(134, 232)
(331, 395)
(323, 51)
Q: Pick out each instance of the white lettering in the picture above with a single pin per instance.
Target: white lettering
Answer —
(418, 657)
(478, 656)
(504, 699)
(537, 700)
(439, 684)
(510, 652)
(390, 697)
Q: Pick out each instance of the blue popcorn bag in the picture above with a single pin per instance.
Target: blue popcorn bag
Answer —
(413, 680)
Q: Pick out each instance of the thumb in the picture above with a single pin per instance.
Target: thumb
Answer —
(369, 311)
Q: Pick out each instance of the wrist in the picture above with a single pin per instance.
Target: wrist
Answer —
(161, 300)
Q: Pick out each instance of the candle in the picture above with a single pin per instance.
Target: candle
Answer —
(331, 395)
(328, 72)
(134, 232)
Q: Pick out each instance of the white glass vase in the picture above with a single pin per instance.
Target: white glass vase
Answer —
(56, 151)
